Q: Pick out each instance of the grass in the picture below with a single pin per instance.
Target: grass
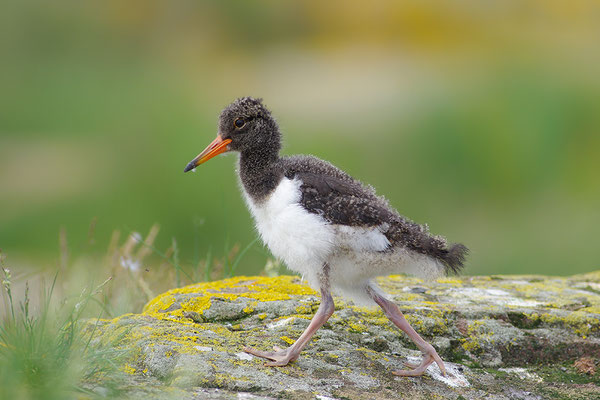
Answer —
(46, 354)
(45, 334)
(140, 270)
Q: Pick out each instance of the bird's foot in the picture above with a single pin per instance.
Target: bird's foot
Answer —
(430, 355)
(279, 357)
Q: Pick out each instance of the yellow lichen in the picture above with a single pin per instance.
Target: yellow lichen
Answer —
(477, 334)
(580, 322)
(406, 280)
(256, 288)
(304, 309)
(357, 327)
(287, 339)
(450, 281)
(428, 317)
(249, 309)
(408, 297)
(128, 369)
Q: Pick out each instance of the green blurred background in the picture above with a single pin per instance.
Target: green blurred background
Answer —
(481, 118)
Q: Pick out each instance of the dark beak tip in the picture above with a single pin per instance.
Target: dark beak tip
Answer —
(189, 167)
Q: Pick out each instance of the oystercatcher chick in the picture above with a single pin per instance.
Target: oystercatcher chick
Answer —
(327, 226)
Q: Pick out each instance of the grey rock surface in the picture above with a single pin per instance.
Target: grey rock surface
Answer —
(502, 337)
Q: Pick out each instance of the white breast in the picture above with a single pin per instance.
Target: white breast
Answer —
(301, 239)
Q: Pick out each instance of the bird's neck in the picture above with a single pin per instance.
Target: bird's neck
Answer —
(260, 172)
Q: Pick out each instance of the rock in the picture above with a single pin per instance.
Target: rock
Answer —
(502, 337)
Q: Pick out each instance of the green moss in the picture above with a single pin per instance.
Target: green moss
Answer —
(566, 373)
(522, 320)
(455, 353)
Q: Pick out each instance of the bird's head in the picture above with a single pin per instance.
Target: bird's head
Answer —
(245, 125)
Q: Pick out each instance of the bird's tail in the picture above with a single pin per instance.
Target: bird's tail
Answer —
(450, 258)
(454, 258)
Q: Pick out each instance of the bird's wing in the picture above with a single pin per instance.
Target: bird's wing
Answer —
(336, 196)
(339, 201)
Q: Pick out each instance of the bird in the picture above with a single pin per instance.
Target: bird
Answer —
(327, 226)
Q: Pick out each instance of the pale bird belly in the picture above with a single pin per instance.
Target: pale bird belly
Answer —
(363, 253)
(301, 239)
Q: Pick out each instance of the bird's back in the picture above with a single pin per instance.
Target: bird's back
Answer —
(344, 201)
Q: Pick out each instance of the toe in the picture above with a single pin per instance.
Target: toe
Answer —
(411, 365)
(279, 363)
(259, 353)
(408, 372)
(417, 369)
(440, 363)
(442, 368)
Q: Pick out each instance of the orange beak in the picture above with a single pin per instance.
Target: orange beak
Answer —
(217, 147)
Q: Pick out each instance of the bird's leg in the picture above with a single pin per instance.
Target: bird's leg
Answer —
(395, 315)
(280, 357)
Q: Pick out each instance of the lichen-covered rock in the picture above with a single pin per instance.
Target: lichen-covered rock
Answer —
(502, 337)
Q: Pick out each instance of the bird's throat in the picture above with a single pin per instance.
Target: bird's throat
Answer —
(260, 173)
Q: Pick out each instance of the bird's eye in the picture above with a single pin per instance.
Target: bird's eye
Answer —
(239, 123)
